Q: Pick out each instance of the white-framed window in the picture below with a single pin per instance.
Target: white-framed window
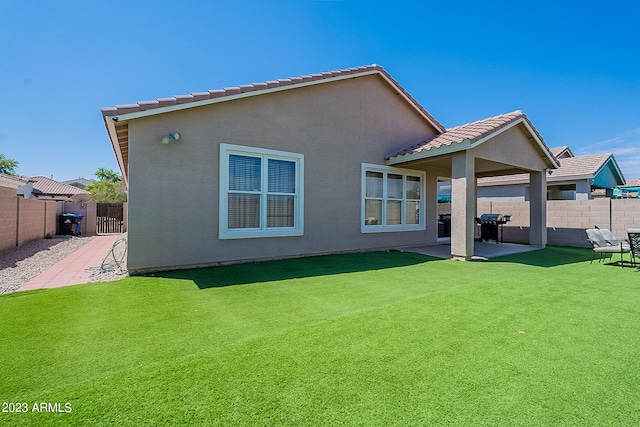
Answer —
(392, 199)
(261, 193)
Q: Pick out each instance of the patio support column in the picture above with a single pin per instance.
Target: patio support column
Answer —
(463, 205)
(538, 209)
(431, 212)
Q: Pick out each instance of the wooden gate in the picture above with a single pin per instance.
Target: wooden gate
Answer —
(109, 218)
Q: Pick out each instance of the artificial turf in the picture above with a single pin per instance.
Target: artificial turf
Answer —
(384, 338)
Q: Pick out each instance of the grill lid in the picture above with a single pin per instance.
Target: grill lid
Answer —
(491, 217)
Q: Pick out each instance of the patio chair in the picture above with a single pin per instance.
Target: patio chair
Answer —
(602, 246)
(634, 243)
(610, 238)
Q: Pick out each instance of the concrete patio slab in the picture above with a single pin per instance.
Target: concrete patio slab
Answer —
(481, 250)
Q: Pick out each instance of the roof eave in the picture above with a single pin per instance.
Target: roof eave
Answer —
(110, 123)
(178, 107)
(431, 152)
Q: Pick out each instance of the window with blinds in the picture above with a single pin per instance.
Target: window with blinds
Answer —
(260, 193)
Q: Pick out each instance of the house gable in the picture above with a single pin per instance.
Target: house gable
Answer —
(475, 135)
(117, 118)
(609, 174)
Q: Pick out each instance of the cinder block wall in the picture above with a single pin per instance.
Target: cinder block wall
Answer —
(51, 218)
(8, 221)
(22, 220)
(567, 219)
(31, 220)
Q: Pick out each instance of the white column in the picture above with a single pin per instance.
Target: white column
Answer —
(463, 205)
(538, 209)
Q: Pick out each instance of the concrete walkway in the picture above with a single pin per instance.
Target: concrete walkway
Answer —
(72, 270)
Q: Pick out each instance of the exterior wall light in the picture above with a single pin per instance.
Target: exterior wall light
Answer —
(173, 136)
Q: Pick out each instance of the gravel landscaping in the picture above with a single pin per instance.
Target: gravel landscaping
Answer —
(20, 264)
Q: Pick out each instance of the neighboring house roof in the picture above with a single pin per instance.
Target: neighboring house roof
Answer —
(12, 181)
(116, 117)
(78, 182)
(601, 168)
(562, 152)
(48, 187)
(468, 136)
(633, 183)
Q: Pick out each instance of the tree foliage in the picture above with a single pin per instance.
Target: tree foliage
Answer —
(109, 175)
(8, 166)
(108, 189)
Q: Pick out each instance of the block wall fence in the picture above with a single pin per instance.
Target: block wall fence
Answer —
(567, 219)
(22, 220)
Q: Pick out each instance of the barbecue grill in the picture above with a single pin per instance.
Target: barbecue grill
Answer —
(492, 226)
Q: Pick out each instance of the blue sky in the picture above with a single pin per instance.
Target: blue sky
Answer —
(572, 67)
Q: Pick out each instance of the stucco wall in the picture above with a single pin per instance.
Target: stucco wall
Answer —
(173, 189)
(511, 147)
(503, 193)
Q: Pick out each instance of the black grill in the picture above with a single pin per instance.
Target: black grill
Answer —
(491, 226)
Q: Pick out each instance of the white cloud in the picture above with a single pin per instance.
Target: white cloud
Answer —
(626, 149)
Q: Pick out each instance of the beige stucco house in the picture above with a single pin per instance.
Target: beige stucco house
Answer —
(339, 161)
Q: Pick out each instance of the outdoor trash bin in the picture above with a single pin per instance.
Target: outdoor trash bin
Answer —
(70, 224)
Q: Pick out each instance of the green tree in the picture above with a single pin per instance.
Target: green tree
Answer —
(8, 166)
(109, 175)
(108, 189)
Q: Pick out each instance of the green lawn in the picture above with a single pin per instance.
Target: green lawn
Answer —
(385, 338)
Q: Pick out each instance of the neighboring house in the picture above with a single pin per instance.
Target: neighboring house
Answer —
(629, 190)
(577, 178)
(49, 189)
(11, 185)
(339, 161)
(78, 182)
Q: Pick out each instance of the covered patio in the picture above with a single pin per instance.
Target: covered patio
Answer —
(501, 145)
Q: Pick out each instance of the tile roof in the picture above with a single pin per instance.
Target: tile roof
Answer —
(581, 166)
(47, 186)
(570, 167)
(469, 133)
(12, 181)
(118, 129)
(631, 183)
(562, 152)
(262, 87)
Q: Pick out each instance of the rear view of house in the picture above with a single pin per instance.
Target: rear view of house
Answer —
(330, 162)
